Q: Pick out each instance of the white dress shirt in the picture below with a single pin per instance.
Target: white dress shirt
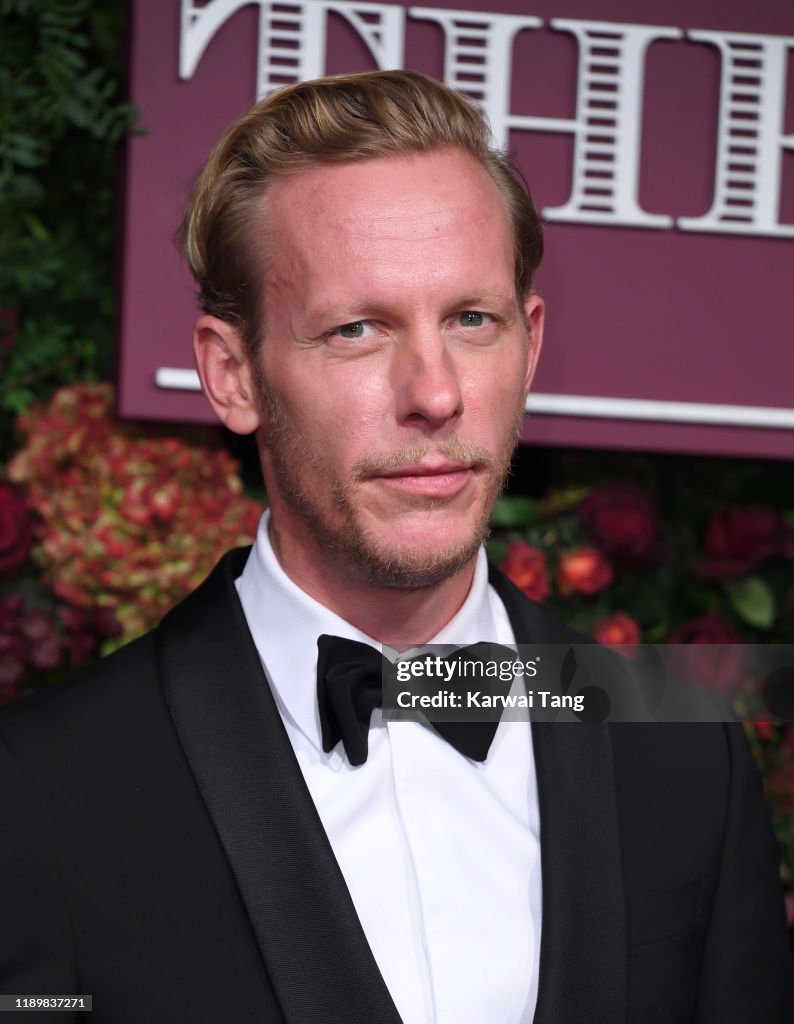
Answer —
(441, 854)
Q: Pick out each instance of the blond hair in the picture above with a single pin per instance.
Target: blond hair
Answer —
(339, 119)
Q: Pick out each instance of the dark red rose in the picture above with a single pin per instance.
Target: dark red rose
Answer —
(708, 629)
(584, 571)
(707, 653)
(739, 538)
(105, 623)
(16, 530)
(526, 567)
(623, 521)
(10, 610)
(82, 649)
(98, 621)
(73, 619)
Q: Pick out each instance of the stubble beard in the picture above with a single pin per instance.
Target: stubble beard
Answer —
(345, 542)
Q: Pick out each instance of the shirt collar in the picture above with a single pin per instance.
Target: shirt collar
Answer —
(285, 623)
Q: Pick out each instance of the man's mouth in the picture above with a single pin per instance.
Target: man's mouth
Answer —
(433, 478)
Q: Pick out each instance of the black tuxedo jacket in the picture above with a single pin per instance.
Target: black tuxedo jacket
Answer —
(159, 851)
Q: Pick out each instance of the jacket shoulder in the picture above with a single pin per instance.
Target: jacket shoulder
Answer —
(118, 687)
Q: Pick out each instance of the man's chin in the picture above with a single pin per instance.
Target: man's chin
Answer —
(398, 572)
(413, 561)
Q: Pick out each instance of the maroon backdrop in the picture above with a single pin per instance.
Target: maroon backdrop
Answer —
(694, 321)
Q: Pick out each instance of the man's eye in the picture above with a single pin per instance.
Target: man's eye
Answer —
(472, 318)
(358, 329)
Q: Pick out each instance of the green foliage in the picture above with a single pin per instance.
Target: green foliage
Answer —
(61, 125)
(753, 601)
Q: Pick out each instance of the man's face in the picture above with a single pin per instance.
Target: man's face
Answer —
(394, 365)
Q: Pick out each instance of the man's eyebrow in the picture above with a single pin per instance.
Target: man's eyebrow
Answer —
(339, 315)
(488, 298)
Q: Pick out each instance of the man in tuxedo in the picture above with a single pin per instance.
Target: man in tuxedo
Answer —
(200, 829)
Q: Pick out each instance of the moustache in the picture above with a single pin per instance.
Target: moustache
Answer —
(451, 448)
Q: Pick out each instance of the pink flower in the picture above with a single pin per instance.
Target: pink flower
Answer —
(45, 653)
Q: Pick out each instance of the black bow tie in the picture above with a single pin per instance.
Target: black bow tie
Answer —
(350, 686)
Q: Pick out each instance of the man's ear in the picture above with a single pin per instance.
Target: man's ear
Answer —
(534, 311)
(226, 374)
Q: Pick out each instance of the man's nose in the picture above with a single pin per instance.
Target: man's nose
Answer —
(427, 380)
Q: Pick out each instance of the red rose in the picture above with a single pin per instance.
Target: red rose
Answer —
(617, 630)
(526, 567)
(739, 538)
(765, 730)
(707, 653)
(622, 520)
(585, 571)
(16, 531)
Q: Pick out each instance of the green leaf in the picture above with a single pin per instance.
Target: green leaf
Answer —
(513, 512)
(752, 600)
(37, 229)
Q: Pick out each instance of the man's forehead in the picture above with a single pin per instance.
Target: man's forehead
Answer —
(410, 194)
(390, 238)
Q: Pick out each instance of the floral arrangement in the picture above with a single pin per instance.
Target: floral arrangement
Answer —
(594, 553)
(41, 641)
(121, 522)
(610, 563)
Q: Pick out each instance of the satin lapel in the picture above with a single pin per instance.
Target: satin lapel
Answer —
(314, 949)
(583, 944)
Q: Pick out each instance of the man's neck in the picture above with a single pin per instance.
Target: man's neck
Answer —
(396, 617)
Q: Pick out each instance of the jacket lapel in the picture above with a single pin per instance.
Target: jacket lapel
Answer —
(583, 945)
(311, 940)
